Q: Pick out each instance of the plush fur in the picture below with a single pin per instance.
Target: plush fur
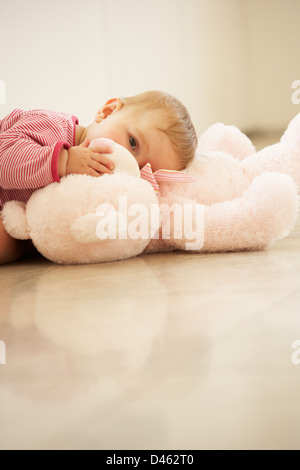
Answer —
(245, 200)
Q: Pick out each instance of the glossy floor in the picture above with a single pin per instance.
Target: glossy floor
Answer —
(165, 351)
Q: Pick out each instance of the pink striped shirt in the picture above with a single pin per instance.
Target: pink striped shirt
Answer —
(30, 142)
(170, 176)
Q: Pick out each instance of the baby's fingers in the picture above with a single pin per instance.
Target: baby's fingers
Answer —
(99, 168)
(85, 143)
(103, 160)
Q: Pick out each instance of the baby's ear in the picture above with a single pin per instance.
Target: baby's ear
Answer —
(111, 106)
(15, 220)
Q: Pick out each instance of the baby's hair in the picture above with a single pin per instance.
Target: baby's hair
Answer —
(179, 127)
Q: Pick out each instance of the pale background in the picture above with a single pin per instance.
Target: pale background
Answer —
(170, 350)
(232, 61)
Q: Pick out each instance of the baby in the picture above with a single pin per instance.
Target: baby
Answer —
(39, 147)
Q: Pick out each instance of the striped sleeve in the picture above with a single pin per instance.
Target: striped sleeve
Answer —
(26, 164)
(30, 143)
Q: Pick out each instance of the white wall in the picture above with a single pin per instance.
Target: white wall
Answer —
(273, 55)
(227, 60)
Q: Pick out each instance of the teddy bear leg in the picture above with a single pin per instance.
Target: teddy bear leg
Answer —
(282, 157)
(292, 133)
(228, 139)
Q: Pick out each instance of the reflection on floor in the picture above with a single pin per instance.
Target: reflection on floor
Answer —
(163, 351)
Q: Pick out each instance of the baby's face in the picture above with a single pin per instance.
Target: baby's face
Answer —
(139, 134)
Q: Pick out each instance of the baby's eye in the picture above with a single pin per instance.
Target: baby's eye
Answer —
(133, 143)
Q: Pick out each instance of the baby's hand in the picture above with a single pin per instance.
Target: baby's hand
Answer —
(83, 161)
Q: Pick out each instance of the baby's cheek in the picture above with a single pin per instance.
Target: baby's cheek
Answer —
(142, 161)
(92, 134)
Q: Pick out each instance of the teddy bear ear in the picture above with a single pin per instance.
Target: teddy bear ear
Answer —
(15, 221)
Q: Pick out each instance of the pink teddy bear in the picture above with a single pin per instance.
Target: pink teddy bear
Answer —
(249, 198)
(237, 199)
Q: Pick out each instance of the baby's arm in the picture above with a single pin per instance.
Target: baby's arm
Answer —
(10, 248)
(25, 164)
(81, 160)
